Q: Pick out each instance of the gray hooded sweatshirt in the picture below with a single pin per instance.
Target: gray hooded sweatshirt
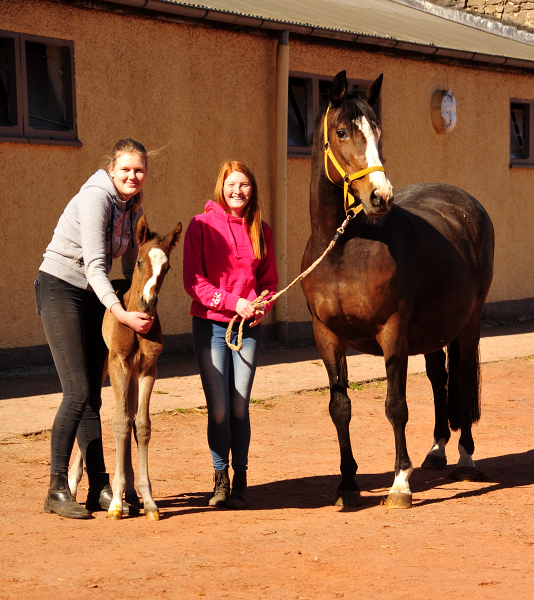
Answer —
(95, 227)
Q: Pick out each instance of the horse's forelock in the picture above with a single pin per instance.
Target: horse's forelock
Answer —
(353, 107)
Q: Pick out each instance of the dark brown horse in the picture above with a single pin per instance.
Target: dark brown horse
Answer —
(406, 278)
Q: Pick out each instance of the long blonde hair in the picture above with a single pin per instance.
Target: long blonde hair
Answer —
(252, 213)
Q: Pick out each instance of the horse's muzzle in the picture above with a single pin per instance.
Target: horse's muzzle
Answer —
(377, 205)
(148, 306)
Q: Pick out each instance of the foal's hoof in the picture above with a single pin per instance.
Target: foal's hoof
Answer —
(434, 461)
(115, 515)
(397, 500)
(152, 515)
(467, 474)
(348, 498)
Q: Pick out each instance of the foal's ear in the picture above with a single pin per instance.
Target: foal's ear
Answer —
(339, 88)
(143, 232)
(173, 237)
(374, 89)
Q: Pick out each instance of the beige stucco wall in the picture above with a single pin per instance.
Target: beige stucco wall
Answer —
(207, 95)
(475, 156)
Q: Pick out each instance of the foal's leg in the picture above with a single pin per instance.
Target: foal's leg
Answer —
(143, 427)
(394, 343)
(124, 388)
(75, 473)
(437, 373)
(333, 352)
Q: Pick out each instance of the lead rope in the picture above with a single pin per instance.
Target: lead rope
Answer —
(259, 302)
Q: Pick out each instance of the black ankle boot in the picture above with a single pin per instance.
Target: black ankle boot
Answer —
(60, 501)
(237, 499)
(100, 495)
(221, 489)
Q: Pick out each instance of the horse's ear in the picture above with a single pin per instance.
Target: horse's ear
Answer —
(374, 89)
(143, 232)
(339, 88)
(173, 237)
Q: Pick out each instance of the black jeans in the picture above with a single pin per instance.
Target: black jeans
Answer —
(72, 320)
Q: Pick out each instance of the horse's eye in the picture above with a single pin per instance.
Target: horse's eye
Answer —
(341, 134)
(139, 264)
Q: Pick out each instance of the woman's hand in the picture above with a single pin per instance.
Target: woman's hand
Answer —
(138, 321)
(246, 310)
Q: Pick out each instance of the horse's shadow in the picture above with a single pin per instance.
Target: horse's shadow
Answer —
(500, 472)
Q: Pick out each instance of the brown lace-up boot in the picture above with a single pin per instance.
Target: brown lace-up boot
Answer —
(60, 501)
(221, 489)
(237, 498)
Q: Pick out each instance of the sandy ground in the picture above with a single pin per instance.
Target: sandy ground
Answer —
(460, 540)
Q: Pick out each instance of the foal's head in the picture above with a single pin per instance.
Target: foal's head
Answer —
(353, 135)
(152, 263)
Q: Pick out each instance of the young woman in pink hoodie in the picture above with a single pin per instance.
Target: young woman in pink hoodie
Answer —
(228, 261)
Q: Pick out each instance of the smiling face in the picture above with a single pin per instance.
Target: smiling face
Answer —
(128, 174)
(237, 191)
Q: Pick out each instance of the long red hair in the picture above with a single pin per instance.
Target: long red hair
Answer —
(252, 213)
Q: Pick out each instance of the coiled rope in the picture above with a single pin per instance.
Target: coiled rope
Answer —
(259, 302)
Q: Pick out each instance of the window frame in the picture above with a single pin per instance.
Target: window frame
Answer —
(529, 129)
(23, 132)
(313, 107)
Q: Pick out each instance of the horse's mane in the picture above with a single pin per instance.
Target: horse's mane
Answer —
(353, 106)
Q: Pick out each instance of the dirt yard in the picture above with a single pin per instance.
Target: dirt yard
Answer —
(460, 540)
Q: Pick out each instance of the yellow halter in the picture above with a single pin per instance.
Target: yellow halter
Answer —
(348, 199)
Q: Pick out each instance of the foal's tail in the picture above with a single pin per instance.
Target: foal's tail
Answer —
(470, 383)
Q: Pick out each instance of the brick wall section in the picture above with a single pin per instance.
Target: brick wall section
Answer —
(516, 12)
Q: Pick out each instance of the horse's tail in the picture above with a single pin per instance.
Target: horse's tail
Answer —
(454, 405)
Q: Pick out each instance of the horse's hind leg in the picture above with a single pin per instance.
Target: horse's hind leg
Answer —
(463, 398)
(143, 427)
(75, 473)
(437, 373)
(333, 352)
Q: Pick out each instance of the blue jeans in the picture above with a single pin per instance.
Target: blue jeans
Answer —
(227, 378)
(72, 320)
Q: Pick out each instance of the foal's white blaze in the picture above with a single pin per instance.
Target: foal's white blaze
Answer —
(401, 485)
(158, 258)
(378, 178)
(465, 458)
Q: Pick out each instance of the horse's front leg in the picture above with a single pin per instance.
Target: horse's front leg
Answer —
(395, 347)
(333, 352)
(75, 473)
(143, 428)
(121, 381)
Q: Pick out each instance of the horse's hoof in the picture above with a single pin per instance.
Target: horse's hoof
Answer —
(434, 461)
(348, 498)
(152, 515)
(397, 500)
(115, 515)
(467, 474)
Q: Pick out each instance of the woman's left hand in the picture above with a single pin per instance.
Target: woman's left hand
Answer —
(259, 313)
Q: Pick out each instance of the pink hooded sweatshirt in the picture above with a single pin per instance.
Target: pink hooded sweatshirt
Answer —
(220, 266)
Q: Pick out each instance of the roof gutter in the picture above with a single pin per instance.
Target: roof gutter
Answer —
(216, 15)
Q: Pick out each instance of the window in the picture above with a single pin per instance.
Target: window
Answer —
(306, 95)
(37, 103)
(521, 138)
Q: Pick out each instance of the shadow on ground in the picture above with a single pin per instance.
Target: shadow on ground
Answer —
(500, 473)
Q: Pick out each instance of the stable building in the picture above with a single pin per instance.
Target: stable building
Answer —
(244, 79)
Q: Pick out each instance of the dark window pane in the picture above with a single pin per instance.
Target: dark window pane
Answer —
(8, 113)
(46, 86)
(518, 131)
(324, 92)
(297, 110)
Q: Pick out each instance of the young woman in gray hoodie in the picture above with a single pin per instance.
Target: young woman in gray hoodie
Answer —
(72, 292)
